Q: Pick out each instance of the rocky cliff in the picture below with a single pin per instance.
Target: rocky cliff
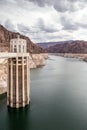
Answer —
(3, 76)
(6, 35)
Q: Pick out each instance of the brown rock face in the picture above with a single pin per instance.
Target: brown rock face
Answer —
(6, 35)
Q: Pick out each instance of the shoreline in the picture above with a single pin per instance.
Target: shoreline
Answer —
(82, 57)
(3, 90)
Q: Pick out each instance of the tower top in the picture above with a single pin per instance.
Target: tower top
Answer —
(18, 45)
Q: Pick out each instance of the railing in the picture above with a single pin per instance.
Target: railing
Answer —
(10, 55)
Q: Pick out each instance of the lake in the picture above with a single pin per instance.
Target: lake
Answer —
(58, 98)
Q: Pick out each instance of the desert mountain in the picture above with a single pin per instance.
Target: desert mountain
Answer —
(48, 44)
(77, 46)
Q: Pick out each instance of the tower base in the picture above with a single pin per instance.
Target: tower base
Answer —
(18, 94)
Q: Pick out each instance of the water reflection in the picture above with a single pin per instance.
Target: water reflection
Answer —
(3, 99)
(18, 118)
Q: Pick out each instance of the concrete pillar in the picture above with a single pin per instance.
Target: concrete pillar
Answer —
(13, 48)
(11, 83)
(23, 90)
(8, 83)
(28, 80)
(17, 95)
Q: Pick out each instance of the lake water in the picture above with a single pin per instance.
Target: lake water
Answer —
(58, 98)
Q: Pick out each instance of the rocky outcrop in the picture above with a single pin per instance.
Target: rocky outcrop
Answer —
(3, 90)
(3, 77)
(44, 55)
(6, 35)
(39, 59)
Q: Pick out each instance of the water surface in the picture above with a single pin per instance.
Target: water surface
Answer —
(58, 98)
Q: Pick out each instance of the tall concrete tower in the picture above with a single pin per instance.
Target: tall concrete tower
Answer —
(18, 94)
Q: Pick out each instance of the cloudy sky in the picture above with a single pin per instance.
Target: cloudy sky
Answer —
(46, 20)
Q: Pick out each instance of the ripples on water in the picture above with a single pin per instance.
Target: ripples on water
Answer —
(58, 99)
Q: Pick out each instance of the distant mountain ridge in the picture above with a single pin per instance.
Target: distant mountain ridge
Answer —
(48, 44)
(6, 35)
(78, 46)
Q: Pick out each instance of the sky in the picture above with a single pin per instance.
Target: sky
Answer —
(46, 20)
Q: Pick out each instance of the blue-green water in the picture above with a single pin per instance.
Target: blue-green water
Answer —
(58, 99)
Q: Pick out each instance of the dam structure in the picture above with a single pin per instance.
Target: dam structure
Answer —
(18, 86)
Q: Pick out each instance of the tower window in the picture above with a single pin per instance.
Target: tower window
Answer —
(15, 49)
(23, 48)
(19, 48)
(11, 48)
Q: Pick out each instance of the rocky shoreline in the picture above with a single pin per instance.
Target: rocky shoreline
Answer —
(36, 60)
(72, 55)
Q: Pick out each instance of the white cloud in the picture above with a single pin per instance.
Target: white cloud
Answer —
(46, 20)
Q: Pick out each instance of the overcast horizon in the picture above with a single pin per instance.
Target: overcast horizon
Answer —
(46, 20)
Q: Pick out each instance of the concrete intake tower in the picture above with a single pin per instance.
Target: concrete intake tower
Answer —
(18, 93)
